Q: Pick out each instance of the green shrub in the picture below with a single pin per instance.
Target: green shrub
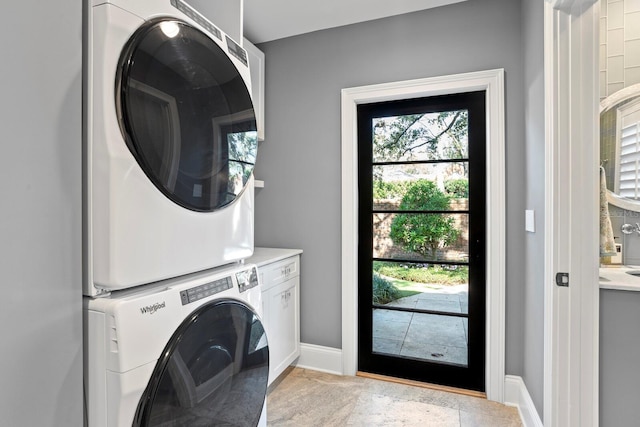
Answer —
(423, 233)
(383, 290)
(458, 188)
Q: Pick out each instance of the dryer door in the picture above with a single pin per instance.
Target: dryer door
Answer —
(213, 371)
(186, 114)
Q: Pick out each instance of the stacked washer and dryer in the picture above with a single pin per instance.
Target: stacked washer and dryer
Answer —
(173, 332)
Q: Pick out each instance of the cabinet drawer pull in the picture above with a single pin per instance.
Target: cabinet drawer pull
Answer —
(286, 271)
(285, 296)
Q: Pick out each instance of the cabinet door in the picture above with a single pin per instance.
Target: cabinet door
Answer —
(282, 313)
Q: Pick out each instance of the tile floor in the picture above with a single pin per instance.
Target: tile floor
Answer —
(426, 336)
(305, 398)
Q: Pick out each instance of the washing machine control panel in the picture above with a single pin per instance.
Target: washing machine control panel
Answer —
(235, 50)
(198, 292)
(247, 279)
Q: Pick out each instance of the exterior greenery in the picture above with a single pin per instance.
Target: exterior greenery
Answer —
(455, 188)
(458, 188)
(432, 274)
(423, 233)
(419, 137)
(431, 135)
(383, 290)
(389, 190)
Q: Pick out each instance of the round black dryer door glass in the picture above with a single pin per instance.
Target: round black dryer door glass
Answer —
(214, 371)
(186, 115)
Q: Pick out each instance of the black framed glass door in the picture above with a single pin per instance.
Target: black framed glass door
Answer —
(213, 371)
(421, 259)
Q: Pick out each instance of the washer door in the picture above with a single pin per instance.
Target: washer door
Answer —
(186, 114)
(213, 371)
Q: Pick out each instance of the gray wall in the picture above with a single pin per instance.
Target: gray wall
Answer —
(619, 356)
(532, 338)
(300, 158)
(41, 215)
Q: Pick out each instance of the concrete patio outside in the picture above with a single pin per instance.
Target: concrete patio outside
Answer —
(425, 336)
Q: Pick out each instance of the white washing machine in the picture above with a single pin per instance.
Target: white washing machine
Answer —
(170, 145)
(190, 351)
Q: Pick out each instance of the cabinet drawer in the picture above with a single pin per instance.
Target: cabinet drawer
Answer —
(279, 272)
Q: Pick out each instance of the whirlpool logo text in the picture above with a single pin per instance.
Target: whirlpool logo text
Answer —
(151, 309)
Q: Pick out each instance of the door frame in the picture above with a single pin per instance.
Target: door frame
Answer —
(571, 314)
(491, 81)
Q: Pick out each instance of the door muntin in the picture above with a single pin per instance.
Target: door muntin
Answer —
(213, 371)
(186, 115)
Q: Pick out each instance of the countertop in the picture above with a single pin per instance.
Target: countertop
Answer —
(262, 256)
(617, 277)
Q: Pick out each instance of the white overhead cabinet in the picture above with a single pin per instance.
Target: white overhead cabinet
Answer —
(256, 67)
(279, 271)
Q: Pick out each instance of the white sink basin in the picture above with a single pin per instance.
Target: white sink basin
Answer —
(624, 277)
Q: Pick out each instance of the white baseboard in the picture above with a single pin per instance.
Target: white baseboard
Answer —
(319, 358)
(516, 394)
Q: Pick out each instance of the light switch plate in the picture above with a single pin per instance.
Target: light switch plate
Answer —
(529, 221)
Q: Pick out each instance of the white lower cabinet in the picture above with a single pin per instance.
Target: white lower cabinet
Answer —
(279, 271)
(281, 315)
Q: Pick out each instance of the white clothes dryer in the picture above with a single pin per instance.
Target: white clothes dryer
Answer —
(190, 351)
(170, 146)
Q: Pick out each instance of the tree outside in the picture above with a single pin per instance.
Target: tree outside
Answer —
(428, 135)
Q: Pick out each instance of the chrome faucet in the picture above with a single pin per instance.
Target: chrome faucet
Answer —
(630, 228)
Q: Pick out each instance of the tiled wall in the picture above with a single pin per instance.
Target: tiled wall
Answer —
(630, 242)
(619, 45)
(608, 146)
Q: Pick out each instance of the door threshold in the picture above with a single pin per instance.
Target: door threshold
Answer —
(472, 393)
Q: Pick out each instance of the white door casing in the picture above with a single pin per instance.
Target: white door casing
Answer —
(492, 81)
(571, 223)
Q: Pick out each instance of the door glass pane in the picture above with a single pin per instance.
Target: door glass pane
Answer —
(421, 237)
(426, 136)
(391, 184)
(437, 288)
(431, 337)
